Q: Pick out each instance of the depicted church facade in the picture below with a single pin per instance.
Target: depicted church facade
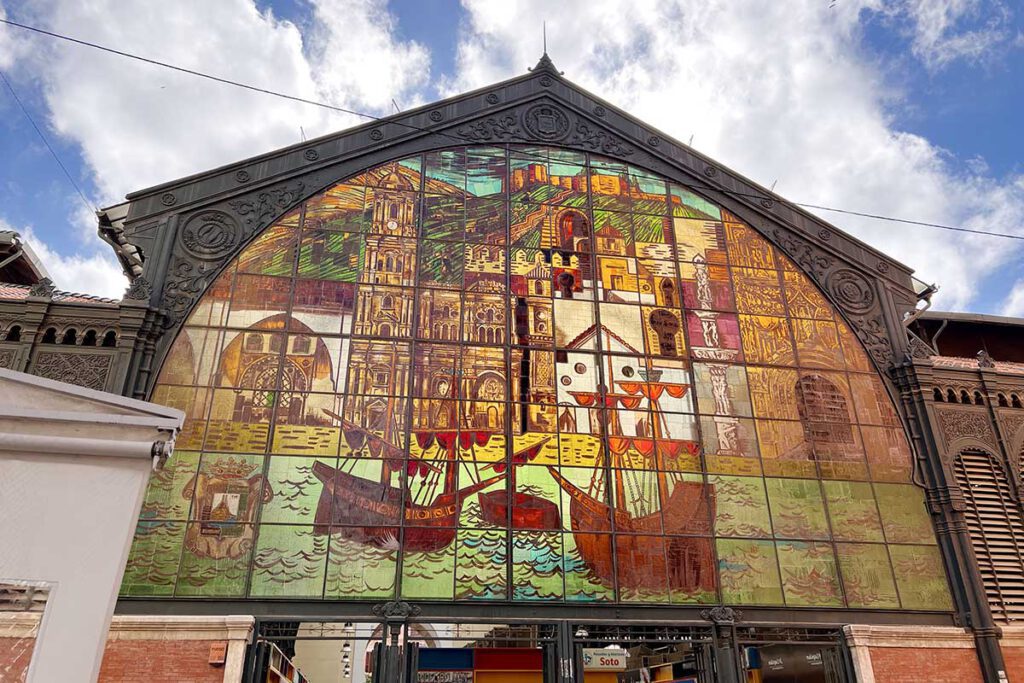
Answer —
(515, 373)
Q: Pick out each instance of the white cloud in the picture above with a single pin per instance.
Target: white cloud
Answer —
(777, 91)
(97, 273)
(357, 60)
(944, 31)
(1013, 304)
(138, 125)
(12, 45)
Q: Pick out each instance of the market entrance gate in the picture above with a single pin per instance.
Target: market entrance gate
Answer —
(407, 651)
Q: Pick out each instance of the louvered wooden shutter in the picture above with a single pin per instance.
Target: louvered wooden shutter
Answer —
(996, 527)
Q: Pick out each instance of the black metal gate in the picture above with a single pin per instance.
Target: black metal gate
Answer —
(401, 649)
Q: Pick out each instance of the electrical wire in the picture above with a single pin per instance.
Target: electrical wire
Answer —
(46, 142)
(353, 112)
(910, 222)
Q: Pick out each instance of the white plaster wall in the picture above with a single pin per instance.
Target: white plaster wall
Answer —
(70, 520)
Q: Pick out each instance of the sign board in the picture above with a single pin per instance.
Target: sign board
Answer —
(784, 663)
(601, 659)
(444, 676)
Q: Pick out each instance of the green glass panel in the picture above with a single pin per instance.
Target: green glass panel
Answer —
(485, 171)
(798, 510)
(748, 572)
(685, 204)
(359, 571)
(584, 582)
(904, 514)
(429, 575)
(867, 576)
(444, 217)
(852, 510)
(920, 577)
(741, 506)
(481, 556)
(650, 229)
(440, 265)
(296, 489)
(446, 169)
(486, 220)
(331, 255)
(215, 561)
(809, 574)
(272, 253)
(153, 559)
(290, 561)
(343, 207)
(166, 494)
(537, 565)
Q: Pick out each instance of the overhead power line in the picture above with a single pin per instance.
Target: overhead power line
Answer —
(910, 222)
(53, 153)
(353, 112)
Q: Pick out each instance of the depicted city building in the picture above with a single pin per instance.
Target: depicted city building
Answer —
(515, 374)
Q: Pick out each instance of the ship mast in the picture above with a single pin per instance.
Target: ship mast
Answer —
(385, 471)
(657, 433)
(613, 426)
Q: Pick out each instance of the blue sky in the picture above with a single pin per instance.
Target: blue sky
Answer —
(902, 108)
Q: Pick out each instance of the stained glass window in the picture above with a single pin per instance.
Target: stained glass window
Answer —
(526, 373)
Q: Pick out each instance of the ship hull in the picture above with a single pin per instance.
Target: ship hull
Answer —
(529, 512)
(660, 551)
(369, 512)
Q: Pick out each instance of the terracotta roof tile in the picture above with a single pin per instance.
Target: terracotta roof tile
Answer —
(14, 292)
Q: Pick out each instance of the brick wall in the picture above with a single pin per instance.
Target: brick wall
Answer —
(1013, 658)
(912, 654)
(15, 654)
(159, 661)
(913, 665)
(151, 649)
(143, 649)
(17, 642)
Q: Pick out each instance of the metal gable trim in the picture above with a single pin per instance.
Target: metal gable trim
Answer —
(444, 117)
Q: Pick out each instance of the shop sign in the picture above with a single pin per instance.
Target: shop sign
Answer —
(444, 676)
(597, 659)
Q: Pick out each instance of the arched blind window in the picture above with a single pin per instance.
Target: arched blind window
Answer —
(996, 527)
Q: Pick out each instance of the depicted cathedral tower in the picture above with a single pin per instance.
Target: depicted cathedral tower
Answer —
(384, 310)
(389, 261)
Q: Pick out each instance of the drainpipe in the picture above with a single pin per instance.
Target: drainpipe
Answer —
(926, 296)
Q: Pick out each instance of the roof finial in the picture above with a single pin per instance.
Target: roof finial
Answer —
(545, 63)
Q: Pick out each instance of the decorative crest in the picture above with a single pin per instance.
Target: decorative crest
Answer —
(396, 610)
(722, 615)
(139, 290)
